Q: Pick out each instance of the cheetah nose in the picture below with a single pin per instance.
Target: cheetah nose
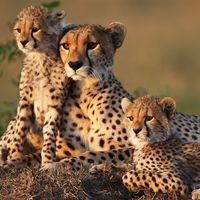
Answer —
(137, 130)
(75, 64)
(24, 42)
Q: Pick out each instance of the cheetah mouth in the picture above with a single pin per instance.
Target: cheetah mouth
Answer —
(30, 47)
(143, 136)
(77, 77)
(78, 74)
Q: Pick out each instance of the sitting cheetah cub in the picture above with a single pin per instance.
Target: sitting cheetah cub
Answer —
(43, 85)
(160, 161)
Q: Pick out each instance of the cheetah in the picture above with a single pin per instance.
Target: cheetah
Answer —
(159, 161)
(43, 86)
(92, 114)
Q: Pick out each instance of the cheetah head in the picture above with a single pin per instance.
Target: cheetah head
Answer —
(88, 50)
(37, 29)
(147, 119)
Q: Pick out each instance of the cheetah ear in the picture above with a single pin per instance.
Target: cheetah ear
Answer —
(56, 17)
(118, 33)
(168, 106)
(125, 103)
(67, 28)
(59, 15)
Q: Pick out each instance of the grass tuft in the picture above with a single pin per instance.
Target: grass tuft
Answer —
(63, 183)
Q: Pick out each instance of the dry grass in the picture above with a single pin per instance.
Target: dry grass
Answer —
(62, 184)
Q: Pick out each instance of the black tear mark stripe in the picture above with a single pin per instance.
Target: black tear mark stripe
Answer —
(90, 62)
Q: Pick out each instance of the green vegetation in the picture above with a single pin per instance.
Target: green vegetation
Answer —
(9, 51)
(51, 5)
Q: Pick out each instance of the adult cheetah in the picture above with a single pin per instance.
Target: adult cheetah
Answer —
(43, 86)
(159, 161)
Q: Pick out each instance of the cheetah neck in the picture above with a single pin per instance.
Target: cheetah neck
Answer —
(138, 145)
(87, 83)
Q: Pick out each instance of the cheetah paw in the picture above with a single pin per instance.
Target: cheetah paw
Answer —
(95, 169)
(2, 161)
(196, 194)
(49, 166)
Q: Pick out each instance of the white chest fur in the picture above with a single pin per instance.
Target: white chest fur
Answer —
(41, 85)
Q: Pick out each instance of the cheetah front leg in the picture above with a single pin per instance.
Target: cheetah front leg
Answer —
(3, 151)
(5, 141)
(21, 129)
(196, 187)
(96, 160)
(33, 159)
(157, 181)
(50, 128)
(196, 194)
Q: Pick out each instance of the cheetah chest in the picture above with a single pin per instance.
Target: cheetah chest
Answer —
(42, 98)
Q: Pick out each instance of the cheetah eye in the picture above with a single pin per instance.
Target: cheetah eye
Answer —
(65, 46)
(35, 29)
(92, 45)
(130, 118)
(148, 118)
(18, 30)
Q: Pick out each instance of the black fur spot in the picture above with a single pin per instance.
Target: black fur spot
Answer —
(90, 161)
(194, 137)
(52, 90)
(82, 157)
(70, 146)
(111, 155)
(112, 147)
(110, 115)
(93, 154)
(103, 158)
(123, 130)
(113, 127)
(104, 120)
(101, 142)
(121, 157)
(67, 153)
(79, 116)
(165, 180)
(118, 122)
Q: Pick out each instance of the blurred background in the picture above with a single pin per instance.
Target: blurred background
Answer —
(160, 55)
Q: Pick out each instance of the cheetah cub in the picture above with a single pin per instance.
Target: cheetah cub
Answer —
(159, 161)
(43, 85)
